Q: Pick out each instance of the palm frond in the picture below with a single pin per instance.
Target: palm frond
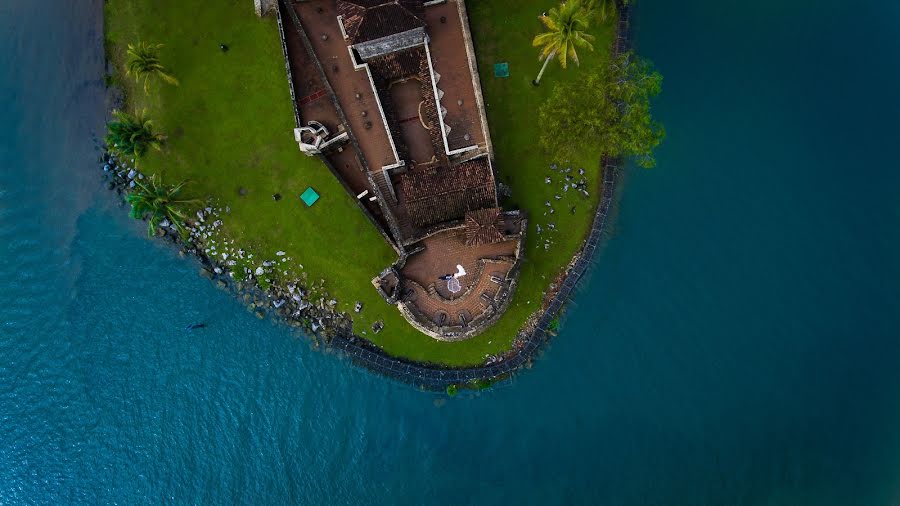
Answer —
(144, 63)
(566, 27)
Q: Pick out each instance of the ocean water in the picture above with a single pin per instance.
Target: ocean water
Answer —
(738, 341)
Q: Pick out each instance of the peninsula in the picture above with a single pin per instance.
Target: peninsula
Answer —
(332, 161)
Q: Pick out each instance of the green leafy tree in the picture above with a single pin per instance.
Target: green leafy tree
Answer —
(566, 30)
(144, 63)
(132, 134)
(156, 201)
(609, 109)
(600, 9)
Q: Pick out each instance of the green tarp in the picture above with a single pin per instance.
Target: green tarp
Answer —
(309, 197)
(501, 69)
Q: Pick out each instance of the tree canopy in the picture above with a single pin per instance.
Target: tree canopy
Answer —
(157, 202)
(566, 30)
(144, 63)
(600, 9)
(132, 134)
(609, 108)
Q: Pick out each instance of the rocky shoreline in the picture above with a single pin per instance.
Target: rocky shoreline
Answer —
(303, 303)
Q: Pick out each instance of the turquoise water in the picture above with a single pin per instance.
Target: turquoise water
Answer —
(737, 343)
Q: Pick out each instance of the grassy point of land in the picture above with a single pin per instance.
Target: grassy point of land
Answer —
(230, 125)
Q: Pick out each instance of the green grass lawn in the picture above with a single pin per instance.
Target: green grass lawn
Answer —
(230, 125)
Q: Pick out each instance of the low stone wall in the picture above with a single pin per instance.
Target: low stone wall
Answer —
(264, 7)
(287, 66)
(473, 68)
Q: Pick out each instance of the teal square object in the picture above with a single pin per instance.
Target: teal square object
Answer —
(501, 69)
(309, 197)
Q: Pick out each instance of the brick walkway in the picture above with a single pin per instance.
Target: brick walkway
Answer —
(443, 252)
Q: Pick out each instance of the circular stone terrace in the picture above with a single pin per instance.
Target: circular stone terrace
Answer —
(456, 283)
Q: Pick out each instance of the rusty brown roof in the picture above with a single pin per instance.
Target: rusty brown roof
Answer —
(401, 64)
(483, 226)
(366, 20)
(440, 194)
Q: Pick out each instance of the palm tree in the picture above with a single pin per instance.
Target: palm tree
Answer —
(566, 27)
(158, 202)
(143, 63)
(132, 135)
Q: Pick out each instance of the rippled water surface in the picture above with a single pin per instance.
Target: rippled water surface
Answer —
(737, 343)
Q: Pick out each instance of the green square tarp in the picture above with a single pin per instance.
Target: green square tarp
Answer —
(501, 69)
(309, 197)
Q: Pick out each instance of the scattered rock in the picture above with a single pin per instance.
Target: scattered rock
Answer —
(260, 314)
(358, 307)
(242, 191)
(259, 271)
